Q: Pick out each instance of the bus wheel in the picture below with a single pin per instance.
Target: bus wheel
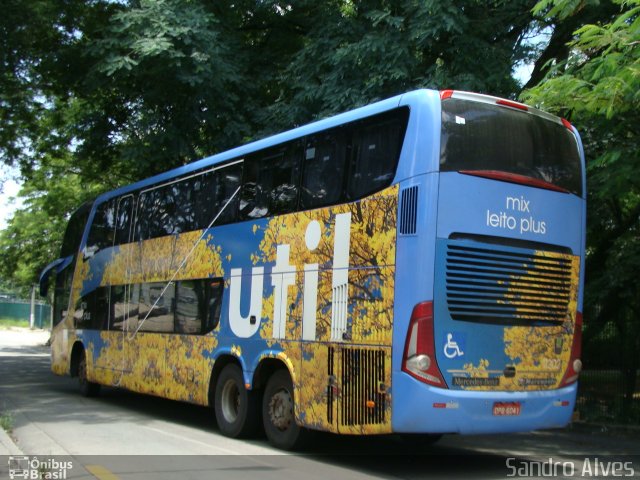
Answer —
(87, 388)
(278, 414)
(236, 407)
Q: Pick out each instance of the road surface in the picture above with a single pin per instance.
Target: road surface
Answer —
(126, 435)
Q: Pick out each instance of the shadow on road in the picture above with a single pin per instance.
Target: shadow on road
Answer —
(27, 381)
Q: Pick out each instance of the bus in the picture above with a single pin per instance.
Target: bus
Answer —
(414, 266)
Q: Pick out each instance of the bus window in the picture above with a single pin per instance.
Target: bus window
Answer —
(156, 213)
(214, 303)
(62, 293)
(270, 184)
(227, 182)
(189, 300)
(92, 310)
(156, 307)
(101, 233)
(376, 148)
(74, 231)
(123, 307)
(123, 220)
(198, 305)
(480, 137)
(324, 165)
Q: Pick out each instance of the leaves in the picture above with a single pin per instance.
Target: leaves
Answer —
(598, 88)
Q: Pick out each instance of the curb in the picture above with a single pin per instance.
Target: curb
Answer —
(7, 445)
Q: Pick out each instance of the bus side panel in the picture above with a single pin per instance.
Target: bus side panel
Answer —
(346, 382)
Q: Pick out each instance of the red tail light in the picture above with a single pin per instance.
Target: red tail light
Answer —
(419, 352)
(575, 364)
(509, 103)
(514, 178)
(444, 94)
(567, 124)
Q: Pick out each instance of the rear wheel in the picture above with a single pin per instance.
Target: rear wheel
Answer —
(87, 388)
(278, 414)
(236, 407)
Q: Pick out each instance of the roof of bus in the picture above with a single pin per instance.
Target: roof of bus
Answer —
(238, 152)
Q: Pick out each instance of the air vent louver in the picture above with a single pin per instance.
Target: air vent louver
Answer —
(500, 286)
(409, 210)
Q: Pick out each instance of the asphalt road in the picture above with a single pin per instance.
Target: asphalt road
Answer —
(125, 435)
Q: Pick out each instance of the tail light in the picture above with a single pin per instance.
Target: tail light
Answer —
(575, 364)
(419, 352)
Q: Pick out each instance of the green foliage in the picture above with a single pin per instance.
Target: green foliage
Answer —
(100, 94)
(6, 421)
(8, 323)
(598, 87)
(377, 49)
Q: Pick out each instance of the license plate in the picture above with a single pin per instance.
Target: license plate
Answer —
(505, 409)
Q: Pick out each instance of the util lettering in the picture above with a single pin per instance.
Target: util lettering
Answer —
(283, 276)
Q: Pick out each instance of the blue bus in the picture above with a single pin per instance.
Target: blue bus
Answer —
(415, 266)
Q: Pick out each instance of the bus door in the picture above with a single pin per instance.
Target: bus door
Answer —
(123, 299)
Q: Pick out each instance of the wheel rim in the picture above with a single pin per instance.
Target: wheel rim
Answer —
(230, 401)
(281, 410)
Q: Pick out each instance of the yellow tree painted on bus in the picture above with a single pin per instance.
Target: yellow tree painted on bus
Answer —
(370, 286)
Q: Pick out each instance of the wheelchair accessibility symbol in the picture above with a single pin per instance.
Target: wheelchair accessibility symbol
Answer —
(454, 345)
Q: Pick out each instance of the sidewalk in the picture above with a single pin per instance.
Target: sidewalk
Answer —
(22, 337)
(18, 337)
(7, 445)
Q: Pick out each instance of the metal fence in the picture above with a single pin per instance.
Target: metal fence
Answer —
(21, 310)
(609, 358)
(601, 398)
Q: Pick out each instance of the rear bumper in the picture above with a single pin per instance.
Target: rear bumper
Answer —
(419, 408)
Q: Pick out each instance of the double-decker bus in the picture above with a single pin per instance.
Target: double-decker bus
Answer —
(414, 266)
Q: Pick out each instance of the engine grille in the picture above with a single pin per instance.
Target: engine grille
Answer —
(496, 285)
(363, 392)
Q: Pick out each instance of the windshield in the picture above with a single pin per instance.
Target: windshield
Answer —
(479, 137)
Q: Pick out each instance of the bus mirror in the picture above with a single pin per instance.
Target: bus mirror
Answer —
(89, 252)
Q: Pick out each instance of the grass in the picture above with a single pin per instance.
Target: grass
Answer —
(6, 421)
(6, 322)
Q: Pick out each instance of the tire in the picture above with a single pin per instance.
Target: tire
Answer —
(236, 408)
(278, 414)
(87, 388)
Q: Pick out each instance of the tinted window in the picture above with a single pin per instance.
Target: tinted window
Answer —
(186, 306)
(102, 231)
(479, 136)
(376, 145)
(124, 214)
(92, 311)
(118, 307)
(227, 182)
(188, 204)
(74, 231)
(157, 213)
(324, 167)
(62, 293)
(198, 305)
(270, 184)
(156, 307)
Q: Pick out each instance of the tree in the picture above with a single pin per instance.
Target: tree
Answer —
(369, 50)
(100, 94)
(598, 85)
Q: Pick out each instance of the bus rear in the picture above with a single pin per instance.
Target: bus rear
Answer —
(492, 337)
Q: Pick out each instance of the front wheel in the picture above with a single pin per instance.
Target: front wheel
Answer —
(278, 414)
(236, 407)
(87, 388)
